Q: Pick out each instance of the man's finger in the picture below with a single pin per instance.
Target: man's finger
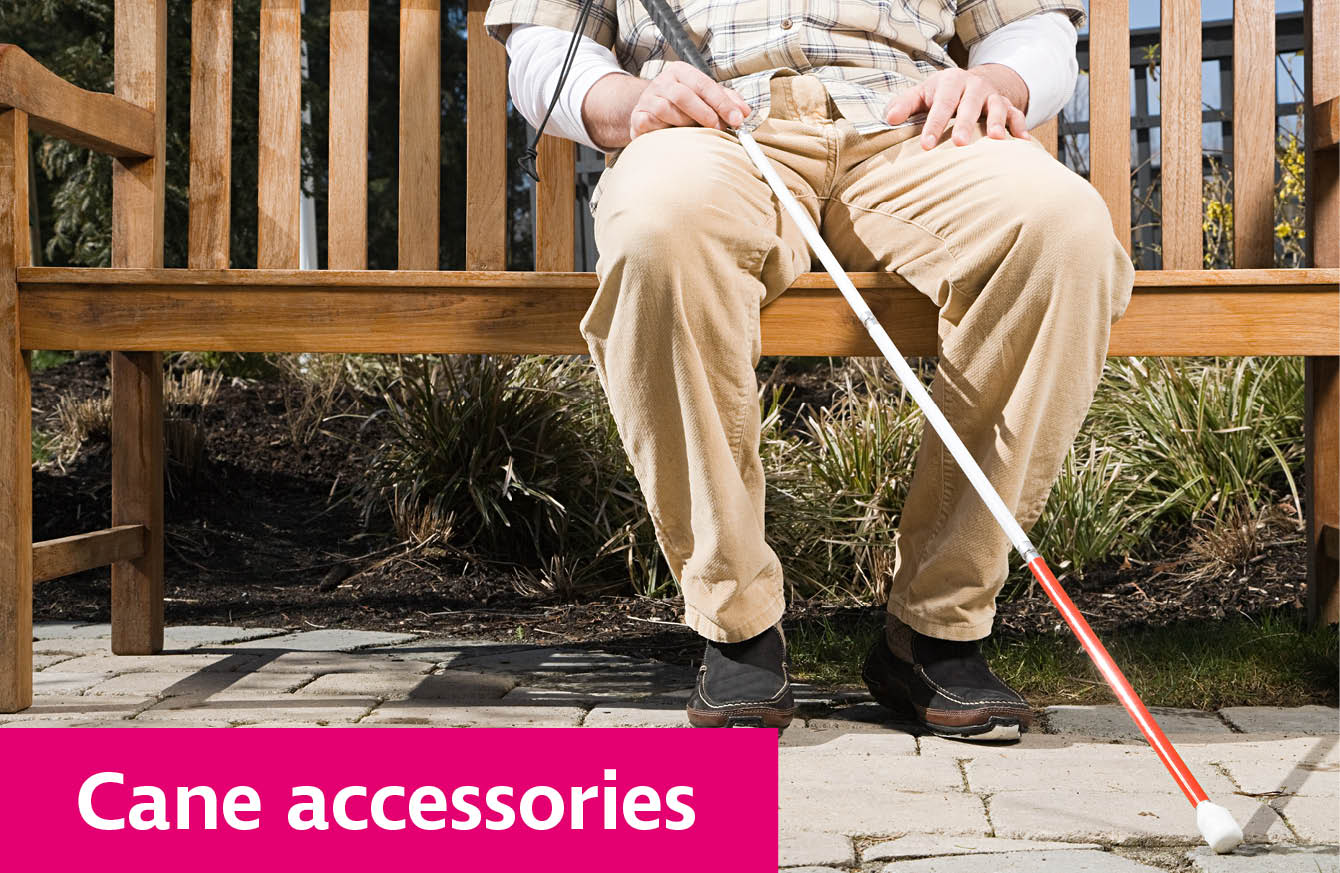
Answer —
(724, 102)
(969, 111)
(661, 108)
(1018, 122)
(997, 110)
(642, 121)
(687, 101)
(944, 102)
(905, 105)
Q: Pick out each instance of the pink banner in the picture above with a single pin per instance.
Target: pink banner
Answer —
(476, 799)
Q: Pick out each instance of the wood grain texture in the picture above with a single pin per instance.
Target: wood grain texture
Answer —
(1327, 125)
(1322, 445)
(279, 172)
(1180, 152)
(1046, 134)
(420, 133)
(555, 193)
(16, 495)
(1236, 312)
(1321, 91)
(485, 145)
(1253, 133)
(347, 216)
(1110, 111)
(137, 377)
(137, 183)
(103, 122)
(211, 133)
(61, 557)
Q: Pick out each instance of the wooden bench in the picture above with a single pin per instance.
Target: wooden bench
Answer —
(138, 310)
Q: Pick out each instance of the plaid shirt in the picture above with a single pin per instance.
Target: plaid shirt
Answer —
(864, 51)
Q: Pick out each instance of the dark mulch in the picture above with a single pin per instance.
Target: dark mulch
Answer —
(263, 535)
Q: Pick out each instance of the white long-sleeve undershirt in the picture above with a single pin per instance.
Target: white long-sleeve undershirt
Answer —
(1040, 48)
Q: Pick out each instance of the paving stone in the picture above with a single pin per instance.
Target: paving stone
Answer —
(1120, 817)
(457, 685)
(533, 695)
(327, 640)
(62, 646)
(289, 709)
(447, 715)
(876, 746)
(194, 636)
(62, 682)
(857, 716)
(635, 716)
(1112, 721)
(71, 630)
(800, 734)
(812, 870)
(1086, 861)
(941, 747)
(41, 662)
(923, 846)
(1312, 818)
(85, 708)
(1098, 767)
(445, 651)
(1293, 765)
(322, 663)
(798, 848)
(112, 723)
(546, 660)
(1276, 859)
(193, 687)
(623, 681)
(194, 662)
(1310, 720)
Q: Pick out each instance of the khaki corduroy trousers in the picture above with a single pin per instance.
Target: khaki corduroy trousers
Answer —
(1016, 251)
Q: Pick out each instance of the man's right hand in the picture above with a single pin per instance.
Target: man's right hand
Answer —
(618, 109)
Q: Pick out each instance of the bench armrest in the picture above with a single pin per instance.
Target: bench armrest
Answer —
(102, 122)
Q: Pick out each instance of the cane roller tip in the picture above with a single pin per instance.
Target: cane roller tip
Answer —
(1217, 827)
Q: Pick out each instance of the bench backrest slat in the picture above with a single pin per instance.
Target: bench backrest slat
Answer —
(1110, 111)
(278, 175)
(211, 133)
(1323, 171)
(485, 145)
(555, 196)
(140, 59)
(420, 126)
(347, 215)
(1254, 133)
(1180, 151)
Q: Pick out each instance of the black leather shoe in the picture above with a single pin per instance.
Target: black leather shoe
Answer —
(744, 684)
(945, 686)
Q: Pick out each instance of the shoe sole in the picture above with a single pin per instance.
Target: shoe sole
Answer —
(764, 718)
(997, 728)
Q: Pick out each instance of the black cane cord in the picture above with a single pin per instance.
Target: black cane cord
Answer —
(527, 161)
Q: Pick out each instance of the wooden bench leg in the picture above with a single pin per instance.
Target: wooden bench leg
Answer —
(1322, 428)
(137, 498)
(16, 446)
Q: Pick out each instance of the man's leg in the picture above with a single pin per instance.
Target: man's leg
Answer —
(1019, 254)
(690, 243)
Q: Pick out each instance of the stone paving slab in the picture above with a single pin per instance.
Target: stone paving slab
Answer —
(61, 682)
(878, 810)
(1087, 861)
(1275, 859)
(455, 685)
(116, 723)
(1120, 817)
(191, 689)
(423, 713)
(327, 640)
(1314, 819)
(812, 870)
(552, 659)
(188, 636)
(1309, 720)
(64, 646)
(874, 750)
(443, 651)
(1294, 765)
(810, 848)
(290, 709)
(1133, 768)
(66, 707)
(322, 663)
(635, 716)
(942, 747)
(41, 662)
(71, 630)
(922, 846)
(1112, 721)
(193, 662)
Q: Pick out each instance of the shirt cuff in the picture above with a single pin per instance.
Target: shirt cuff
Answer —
(1041, 49)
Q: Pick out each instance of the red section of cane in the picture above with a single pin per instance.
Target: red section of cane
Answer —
(1117, 681)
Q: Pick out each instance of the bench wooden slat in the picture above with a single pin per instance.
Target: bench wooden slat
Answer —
(61, 557)
(1253, 133)
(485, 145)
(1180, 151)
(105, 123)
(279, 173)
(420, 140)
(1227, 312)
(554, 204)
(211, 133)
(1110, 111)
(1328, 124)
(347, 216)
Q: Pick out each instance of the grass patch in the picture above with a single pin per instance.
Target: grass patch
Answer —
(44, 359)
(1272, 660)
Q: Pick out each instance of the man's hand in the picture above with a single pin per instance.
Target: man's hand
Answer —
(618, 109)
(991, 89)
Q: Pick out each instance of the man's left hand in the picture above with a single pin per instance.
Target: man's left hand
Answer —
(993, 90)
